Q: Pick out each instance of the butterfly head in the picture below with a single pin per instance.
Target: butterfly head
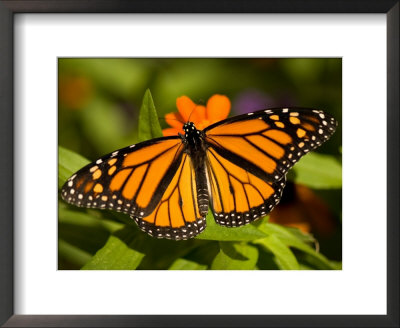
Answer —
(190, 130)
(192, 135)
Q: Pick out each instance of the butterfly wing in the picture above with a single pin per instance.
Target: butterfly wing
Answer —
(249, 155)
(130, 180)
(151, 181)
(238, 196)
(176, 215)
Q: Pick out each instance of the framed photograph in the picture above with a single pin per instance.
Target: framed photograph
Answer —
(243, 155)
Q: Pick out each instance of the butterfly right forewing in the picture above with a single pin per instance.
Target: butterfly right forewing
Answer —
(130, 180)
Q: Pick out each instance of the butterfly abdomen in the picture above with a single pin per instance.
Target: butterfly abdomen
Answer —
(202, 190)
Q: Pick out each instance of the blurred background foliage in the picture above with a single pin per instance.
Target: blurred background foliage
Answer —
(99, 102)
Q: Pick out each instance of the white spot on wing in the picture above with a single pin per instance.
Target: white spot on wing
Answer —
(93, 168)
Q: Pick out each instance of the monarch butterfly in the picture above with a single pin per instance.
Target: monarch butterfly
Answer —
(236, 166)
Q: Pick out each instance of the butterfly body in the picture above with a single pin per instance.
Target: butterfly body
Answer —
(237, 167)
(195, 147)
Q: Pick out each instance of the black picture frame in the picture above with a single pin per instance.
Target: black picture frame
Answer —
(7, 200)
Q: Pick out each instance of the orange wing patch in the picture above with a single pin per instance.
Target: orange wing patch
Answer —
(136, 177)
(156, 171)
(246, 150)
(148, 153)
(119, 179)
(176, 216)
(267, 145)
(245, 127)
(238, 196)
(279, 136)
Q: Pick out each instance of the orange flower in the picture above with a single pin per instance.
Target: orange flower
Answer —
(74, 91)
(217, 109)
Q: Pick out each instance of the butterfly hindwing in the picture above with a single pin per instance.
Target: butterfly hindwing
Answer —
(238, 196)
(177, 215)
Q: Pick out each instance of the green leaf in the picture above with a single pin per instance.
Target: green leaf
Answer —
(118, 253)
(295, 232)
(161, 253)
(285, 258)
(148, 126)
(82, 230)
(288, 238)
(205, 252)
(318, 171)
(183, 264)
(267, 260)
(235, 256)
(129, 248)
(68, 163)
(72, 254)
(316, 262)
(215, 231)
(88, 217)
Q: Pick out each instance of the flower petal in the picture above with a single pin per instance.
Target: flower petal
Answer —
(185, 106)
(198, 115)
(171, 132)
(202, 125)
(218, 107)
(174, 119)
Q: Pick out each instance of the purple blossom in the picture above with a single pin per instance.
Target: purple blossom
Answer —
(252, 100)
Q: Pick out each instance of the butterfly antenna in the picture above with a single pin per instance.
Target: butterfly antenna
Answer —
(191, 113)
